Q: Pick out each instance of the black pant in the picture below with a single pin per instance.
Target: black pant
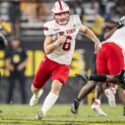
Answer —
(22, 81)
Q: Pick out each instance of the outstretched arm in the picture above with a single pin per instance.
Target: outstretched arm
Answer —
(116, 79)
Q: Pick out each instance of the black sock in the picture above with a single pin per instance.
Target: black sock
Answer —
(98, 78)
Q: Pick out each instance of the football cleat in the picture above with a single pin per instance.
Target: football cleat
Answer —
(120, 79)
(75, 106)
(84, 78)
(110, 94)
(97, 109)
(35, 98)
(40, 115)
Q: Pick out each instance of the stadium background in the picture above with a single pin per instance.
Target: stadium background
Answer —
(34, 13)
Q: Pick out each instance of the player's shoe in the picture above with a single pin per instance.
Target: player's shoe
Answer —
(120, 79)
(35, 98)
(84, 78)
(75, 106)
(110, 94)
(97, 109)
(40, 115)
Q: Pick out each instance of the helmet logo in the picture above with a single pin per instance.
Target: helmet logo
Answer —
(60, 4)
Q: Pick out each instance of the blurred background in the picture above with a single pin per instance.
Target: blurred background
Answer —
(23, 20)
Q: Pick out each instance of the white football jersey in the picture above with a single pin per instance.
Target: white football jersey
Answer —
(118, 38)
(64, 53)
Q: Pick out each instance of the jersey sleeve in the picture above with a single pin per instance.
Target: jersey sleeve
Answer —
(48, 29)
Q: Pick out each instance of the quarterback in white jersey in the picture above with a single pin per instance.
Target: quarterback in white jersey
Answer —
(63, 54)
(59, 45)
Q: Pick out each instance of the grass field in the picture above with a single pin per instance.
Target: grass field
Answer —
(59, 115)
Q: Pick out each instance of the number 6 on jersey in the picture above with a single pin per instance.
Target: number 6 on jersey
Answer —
(67, 43)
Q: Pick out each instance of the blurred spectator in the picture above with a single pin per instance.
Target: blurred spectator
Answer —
(78, 9)
(95, 6)
(35, 10)
(102, 5)
(16, 61)
(98, 25)
(29, 9)
(42, 11)
(38, 11)
(114, 15)
(14, 17)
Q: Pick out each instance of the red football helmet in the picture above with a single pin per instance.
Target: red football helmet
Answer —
(61, 12)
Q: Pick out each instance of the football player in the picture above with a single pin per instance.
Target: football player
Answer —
(59, 44)
(110, 62)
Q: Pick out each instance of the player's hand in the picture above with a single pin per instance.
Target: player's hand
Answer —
(121, 23)
(61, 38)
(98, 46)
(84, 78)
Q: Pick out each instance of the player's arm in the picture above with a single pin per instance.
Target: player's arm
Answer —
(109, 33)
(50, 44)
(115, 79)
(111, 27)
(90, 34)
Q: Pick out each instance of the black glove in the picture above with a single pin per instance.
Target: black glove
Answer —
(84, 78)
(121, 23)
(3, 41)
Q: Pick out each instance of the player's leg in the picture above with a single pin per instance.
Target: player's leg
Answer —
(96, 105)
(115, 65)
(86, 89)
(101, 67)
(51, 98)
(59, 77)
(37, 92)
(40, 79)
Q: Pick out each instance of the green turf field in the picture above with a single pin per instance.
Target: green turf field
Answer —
(59, 115)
